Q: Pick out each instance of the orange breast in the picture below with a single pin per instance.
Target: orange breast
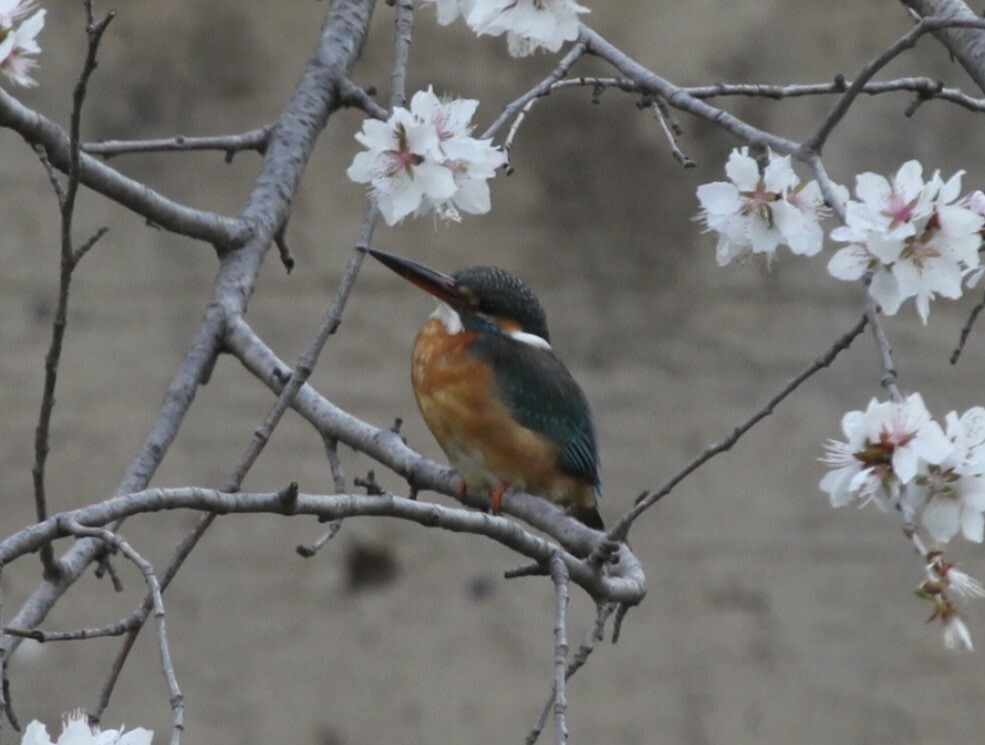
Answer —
(456, 394)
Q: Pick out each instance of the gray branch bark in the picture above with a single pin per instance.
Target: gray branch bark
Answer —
(967, 45)
(314, 100)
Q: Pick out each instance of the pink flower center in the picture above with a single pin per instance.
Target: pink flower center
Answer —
(899, 211)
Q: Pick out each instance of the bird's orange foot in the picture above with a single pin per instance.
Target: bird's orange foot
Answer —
(461, 488)
(496, 498)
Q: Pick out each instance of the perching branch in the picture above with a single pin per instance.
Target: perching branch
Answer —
(387, 447)
(625, 586)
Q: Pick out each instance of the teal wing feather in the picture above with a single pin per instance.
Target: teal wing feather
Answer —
(544, 397)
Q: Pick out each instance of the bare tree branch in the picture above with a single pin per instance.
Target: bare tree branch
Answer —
(966, 331)
(648, 499)
(69, 260)
(388, 448)
(403, 35)
(885, 350)
(135, 196)
(559, 575)
(69, 526)
(678, 98)
(580, 657)
(624, 587)
(927, 25)
(255, 139)
(315, 98)
(965, 42)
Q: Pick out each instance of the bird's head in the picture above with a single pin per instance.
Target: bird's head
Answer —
(478, 293)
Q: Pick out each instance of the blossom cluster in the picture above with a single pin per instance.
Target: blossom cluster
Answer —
(757, 210)
(19, 27)
(76, 730)
(909, 238)
(917, 239)
(897, 456)
(424, 158)
(528, 24)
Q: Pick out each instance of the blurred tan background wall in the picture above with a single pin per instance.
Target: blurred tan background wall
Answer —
(771, 618)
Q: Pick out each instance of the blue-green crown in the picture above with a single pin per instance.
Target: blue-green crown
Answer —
(497, 293)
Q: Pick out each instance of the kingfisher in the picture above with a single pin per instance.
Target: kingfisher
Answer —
(501, 405)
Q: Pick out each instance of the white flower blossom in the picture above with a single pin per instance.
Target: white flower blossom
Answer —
(472, 162)
(402, 164)
(962, 583)
(956, 635)
(916, 239)
(952, 491)
(76, 730)
(755, 212)
(18, 43)
(884, 448)
(425, 159)
(528, 24)
(449, 10)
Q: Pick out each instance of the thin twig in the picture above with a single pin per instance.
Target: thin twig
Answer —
(594, 636)
(966, 330)
(533, 569)
(621, 610)
(70, 527)
(283, 250)
(355, 96)
(816, 142)
(889, 375)
(335, 463)
(119, 628)
(662, 115)
(338, 480)
(620, 532)
(559, 574)
(308, 550)
(255, 139)
(136, 620)
(69, 260)
(541, 89)
(925, 88)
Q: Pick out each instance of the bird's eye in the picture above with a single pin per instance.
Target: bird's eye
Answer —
(471, 299)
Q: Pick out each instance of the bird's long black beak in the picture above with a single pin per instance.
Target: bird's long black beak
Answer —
(440, 285)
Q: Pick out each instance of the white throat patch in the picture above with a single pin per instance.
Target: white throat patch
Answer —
(449, 318)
